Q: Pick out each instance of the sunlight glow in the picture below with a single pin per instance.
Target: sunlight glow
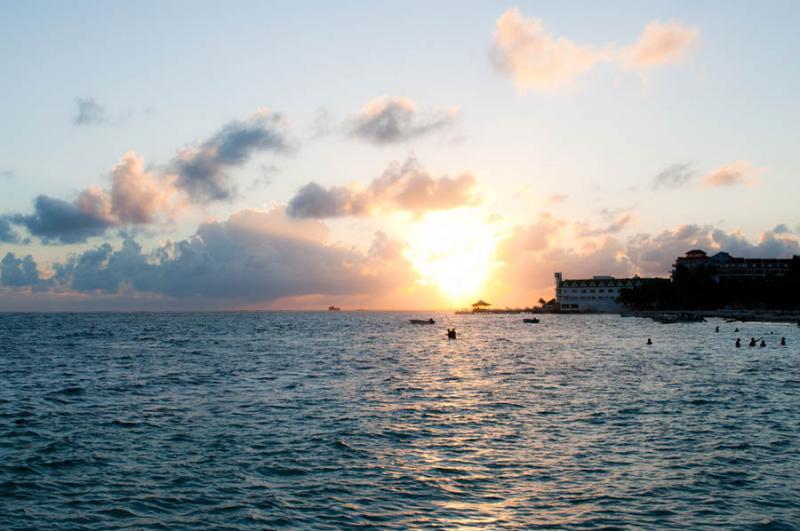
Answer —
(453, 250)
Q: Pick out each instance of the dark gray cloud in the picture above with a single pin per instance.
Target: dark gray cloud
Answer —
(315, 201)
(389, 120)
(782, 228)
(406, 186)
(655, 254)
(58, 221)
(769, 245)
(7, 233)
(89, 112)
(20, 272)
(253, 256)
(202, 171)
(674, 176)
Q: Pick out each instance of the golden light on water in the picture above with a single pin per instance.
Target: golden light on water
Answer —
(453, 251)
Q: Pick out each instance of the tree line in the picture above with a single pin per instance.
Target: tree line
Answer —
(701, 289)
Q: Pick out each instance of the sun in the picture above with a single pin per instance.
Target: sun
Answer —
(453, 250)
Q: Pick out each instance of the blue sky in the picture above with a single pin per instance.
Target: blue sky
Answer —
(171, 74)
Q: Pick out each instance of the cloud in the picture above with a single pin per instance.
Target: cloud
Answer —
(58, 221)
(253, 256)
(617, 224)
(137, 196)
(315, 201)
(391, 119)
(781, 228)
(406, 186)
(531, 238)
(532, 253)
(656, 254)
(660, 44)
(535, 59)
(202, 170)
(20, 272)
(735, 173)
(527, 270)
(7, 233)
(7, 174)
(523, 49)
(89, 112)
(674, 176)
(768, 244)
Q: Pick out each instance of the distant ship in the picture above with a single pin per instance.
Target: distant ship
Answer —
(333, 309)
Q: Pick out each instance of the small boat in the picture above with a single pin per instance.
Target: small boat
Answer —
(422, 321)
(532, 320)
(333, 309)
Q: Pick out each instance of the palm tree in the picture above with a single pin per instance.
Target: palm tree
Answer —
(542, 302)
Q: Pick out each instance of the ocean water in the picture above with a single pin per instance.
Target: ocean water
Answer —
(340, 420)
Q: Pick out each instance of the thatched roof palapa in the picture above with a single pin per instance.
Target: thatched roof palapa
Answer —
(480, 303)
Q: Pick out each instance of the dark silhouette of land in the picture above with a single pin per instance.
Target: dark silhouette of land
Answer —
(703, 288)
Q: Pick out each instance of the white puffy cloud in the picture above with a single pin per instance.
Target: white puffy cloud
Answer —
(137, 195)
(735, 173)
(535, 59)
(661, 43)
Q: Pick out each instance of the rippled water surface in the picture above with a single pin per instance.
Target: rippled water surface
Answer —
(332, 420)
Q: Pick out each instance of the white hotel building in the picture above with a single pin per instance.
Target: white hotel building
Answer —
(598, 294)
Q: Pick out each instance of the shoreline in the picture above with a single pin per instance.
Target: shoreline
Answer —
(764, 316)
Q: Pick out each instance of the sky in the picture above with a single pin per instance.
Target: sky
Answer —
(414, 155)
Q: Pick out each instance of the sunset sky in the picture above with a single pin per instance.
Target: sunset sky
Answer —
(406, 155)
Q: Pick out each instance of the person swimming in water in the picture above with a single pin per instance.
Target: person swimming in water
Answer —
(783, 341)
(737, 329)
(763, 343)
(649, 341)
(738, 342)
(716, 329)
(752, 342)
(451, 333)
